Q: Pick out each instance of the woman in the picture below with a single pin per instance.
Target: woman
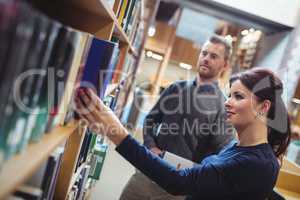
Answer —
(245, 169)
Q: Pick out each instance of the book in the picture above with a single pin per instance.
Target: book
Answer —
(7, 32)
(84, 150)
(128, 14)
(86, 45)
(63, 55)
(66, 102)
(122, 11)
(118, 71)
(133, 21)
(177, 161)
(28, 192)
(137, 36)
(23, 32)
(45, 177)
(82, 182)
(51, 175)
(100, 64)
(37, 124)
(28, 80)
(98, 151)
(8, 26)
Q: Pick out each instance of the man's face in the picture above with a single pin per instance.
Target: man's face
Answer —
(211, 60)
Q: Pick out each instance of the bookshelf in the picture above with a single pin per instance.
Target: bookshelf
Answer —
(288, 179)
(94, 17)
(288, 194)
(20, 167)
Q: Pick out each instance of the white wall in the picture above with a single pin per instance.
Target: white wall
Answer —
(281, 11)
(272, 50)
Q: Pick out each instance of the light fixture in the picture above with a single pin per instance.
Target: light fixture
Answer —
(185, 66)
(149, 53)
(229, 38)
(245, 32)
(251, 30)
(151, 31)
(156, 56)
(295, 100)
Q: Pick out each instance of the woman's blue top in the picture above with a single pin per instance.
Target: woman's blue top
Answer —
(237, 172)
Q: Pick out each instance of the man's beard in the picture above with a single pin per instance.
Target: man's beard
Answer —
(206, 73)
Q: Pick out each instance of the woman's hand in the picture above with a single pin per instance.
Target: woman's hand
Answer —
(100, 118)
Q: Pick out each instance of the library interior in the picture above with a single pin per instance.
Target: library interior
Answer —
(76, 75)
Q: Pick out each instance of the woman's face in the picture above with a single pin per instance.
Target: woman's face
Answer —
(241, 106)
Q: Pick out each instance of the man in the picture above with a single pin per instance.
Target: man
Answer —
(188, 120)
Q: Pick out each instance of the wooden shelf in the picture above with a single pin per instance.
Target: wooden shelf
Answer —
(95, 7)
(120, 33)
(20, 167)
(100, 9)
(89, 16)
(288, 195)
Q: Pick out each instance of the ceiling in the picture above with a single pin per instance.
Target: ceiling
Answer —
(233, 15)
(200, 18)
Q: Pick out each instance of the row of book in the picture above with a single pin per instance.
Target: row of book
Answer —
(39, 58)
(80, 187)
(128, 16)
(42, 62)
(41, 186)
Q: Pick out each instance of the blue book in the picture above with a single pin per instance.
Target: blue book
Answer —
(100, 65)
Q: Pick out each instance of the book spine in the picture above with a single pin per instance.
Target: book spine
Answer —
(21, 41)
(129, 15)
(107, 67)
(122, 11)
(62, 65)
(28, 90)
(39, 99)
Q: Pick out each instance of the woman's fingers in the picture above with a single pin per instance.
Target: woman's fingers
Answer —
(80, 108)
(93, 96)
(90, 106)
(83, 111)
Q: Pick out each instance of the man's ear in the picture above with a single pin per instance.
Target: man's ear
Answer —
(226, 65)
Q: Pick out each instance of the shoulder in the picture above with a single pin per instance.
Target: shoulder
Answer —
(262, 161)
(182, 83)
(179, 85)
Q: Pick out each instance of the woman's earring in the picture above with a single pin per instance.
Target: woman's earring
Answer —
(259, 114)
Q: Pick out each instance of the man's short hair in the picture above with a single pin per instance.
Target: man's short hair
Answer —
(215, 39)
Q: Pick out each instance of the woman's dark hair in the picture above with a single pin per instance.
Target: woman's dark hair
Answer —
(265, 85)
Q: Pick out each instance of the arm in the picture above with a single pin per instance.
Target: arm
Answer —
(202, 180)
